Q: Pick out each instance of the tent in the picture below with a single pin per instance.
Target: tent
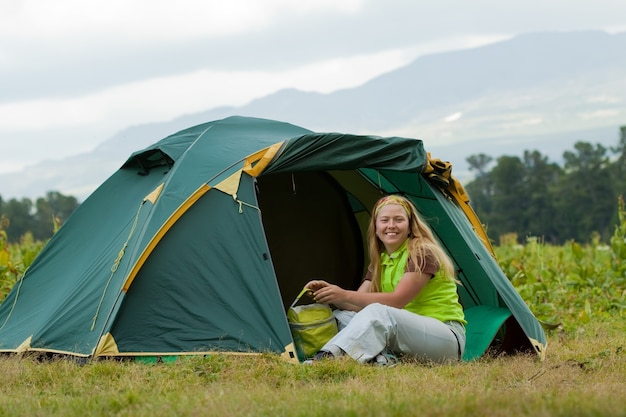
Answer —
(200, 242)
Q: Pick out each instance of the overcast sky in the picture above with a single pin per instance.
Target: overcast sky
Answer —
(75, 72)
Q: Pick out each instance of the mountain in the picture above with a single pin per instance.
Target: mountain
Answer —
(542, 91)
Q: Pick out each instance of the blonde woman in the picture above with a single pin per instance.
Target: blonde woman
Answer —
(407, 304)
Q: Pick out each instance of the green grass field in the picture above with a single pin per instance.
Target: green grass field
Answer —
(583, 374)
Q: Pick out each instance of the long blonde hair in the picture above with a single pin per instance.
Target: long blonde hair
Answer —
(420, 243)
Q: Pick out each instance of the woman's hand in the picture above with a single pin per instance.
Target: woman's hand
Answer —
(316, 284)
(326, 293)
(330, 294)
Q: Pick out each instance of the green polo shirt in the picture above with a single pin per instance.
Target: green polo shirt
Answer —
(438, 299)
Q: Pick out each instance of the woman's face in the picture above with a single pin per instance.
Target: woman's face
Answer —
(392, 226)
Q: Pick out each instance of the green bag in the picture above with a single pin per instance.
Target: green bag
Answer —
(312, 325)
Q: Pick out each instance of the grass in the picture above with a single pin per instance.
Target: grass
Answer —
(582, 375)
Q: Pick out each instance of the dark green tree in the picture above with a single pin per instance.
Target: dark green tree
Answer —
(585, 200)
(480, 190)
(20, 217)
(52, 211)
(509, 201)
(540, 184)
(514, 197)
(41, 219)
(535, 197)
(618, 166)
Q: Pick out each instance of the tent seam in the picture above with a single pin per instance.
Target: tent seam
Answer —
(14, 301)
(116, 264)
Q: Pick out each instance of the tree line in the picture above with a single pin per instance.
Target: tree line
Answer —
(522, 196)
(531, 196)
(39, 218)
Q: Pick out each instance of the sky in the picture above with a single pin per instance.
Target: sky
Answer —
(75, 72)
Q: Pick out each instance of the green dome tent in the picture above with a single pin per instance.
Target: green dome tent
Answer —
(199, 243)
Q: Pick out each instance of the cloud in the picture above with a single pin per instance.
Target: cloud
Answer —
(453, 117)
(167, 97)
(69, 47)
(65, 48)
(75, 72)
(600, 114)
(152, 19)
(74, 124)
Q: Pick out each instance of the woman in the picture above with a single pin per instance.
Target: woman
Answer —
(407, 303)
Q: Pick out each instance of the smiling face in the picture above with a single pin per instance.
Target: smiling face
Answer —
(392, 226)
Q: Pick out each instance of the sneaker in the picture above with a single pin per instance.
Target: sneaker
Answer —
(385, 359)
(321, 355)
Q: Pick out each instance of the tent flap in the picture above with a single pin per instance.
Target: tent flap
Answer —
(107, 346)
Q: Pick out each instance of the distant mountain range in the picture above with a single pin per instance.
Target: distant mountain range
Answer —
(542, 91)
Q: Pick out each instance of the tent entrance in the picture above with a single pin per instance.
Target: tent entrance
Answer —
(311, 229)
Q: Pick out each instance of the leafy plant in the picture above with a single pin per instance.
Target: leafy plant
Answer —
(569, 284)
(15, 258)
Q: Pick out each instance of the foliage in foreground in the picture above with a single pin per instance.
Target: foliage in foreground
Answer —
(15, 259)
(569, 284)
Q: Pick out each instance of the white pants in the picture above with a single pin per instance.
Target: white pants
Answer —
(377, 327)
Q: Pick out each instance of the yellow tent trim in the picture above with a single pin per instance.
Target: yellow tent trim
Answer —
(284, 355)
(107, 346)
(187, 354)
(257, 162)
(25, 345)
(459, 196)
(230, 185)
(154, 195)
(539, 347)
(44, 350)
(439, 173)
(253, 165)
(290, 354)
(162, 231)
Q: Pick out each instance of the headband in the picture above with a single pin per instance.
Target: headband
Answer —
(393, 199)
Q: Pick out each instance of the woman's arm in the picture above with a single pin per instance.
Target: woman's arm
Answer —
(319, 284)
(363, 288)
(409, 286)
